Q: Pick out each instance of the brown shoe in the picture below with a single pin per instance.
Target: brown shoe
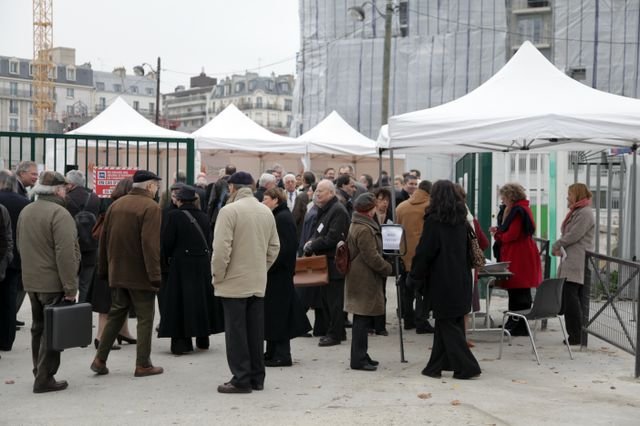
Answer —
(147, 371)
(98, 366)
(51, 386)
(230, 388)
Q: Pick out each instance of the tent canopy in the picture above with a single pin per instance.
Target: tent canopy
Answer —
(335, 136)
(234, 131)
(528, 104)
(119, 119)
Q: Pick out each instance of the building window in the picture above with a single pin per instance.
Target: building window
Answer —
(252, 85)
(284, 86)
(152, 106)
(259, 102)
(133, 89)
(239, 87)
(69, 109)
(14, 66)
(136, 105)
(287, 104)
(30, 69)
(13, 124)
(99, 85)
(70, 92)
(13, 88)
(149, 91)
(117, 88)
(71, 74)
(53, 72)
(103, 102)
(289, 120)
(31, 90)
(13, 106)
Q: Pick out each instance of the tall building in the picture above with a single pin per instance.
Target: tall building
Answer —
(73, 90)
(266, 100)
(186, 109)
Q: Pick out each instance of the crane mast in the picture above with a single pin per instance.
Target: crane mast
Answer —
(43, 66)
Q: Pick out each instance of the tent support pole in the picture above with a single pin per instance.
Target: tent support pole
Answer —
(634, 200)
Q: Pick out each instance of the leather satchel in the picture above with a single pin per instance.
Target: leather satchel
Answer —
(311, 271)
(475, 253)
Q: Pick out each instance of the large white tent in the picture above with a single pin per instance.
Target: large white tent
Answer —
(528, 104)
(120, 119)
(232, 130)
(335, 136)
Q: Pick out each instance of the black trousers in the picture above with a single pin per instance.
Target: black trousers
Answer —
(8, 294)
(45, 362)
(244, 335)
(450, 350)
(360, 339)
(519, 299)
(413, 317)
(333, 304)
(574, 299)
(85, 278)
(278, 350)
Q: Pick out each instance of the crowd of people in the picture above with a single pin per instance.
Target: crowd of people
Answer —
(220, 257)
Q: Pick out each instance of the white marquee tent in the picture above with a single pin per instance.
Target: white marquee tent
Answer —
(335, 136)
(528, 104)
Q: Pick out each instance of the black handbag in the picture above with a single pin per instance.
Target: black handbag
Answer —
(68, 325)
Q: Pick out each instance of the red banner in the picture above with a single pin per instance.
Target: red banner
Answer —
(105, 179)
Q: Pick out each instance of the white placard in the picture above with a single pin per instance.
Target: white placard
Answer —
(391, 237)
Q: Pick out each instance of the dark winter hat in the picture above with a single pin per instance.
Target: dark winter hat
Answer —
(51, 178)
(365, 202)
(144, 175)
(186, 193)
(177, 185)
(241, 178)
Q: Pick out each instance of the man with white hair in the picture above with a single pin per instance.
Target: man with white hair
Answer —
(47, 238)
(330, 227)
(27, 174)
(79, 199)
(290, 190)
(266, 181)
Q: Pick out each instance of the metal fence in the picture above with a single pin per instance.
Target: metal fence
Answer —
(163, 156)
(611, 313)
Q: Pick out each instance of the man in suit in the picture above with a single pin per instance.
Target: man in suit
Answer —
(301, 202)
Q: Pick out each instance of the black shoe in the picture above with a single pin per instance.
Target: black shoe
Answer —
(278, 363)
(572, 342)
(51, 386)
(203, 342)
(426, 329)
(519, 330)
(19, 323)
(372, 361)
(365, 367)
(230, 388)
(409, 325)
(129, 340)
(461, 376)
(306, 335)
(347, 323)
(383, 332)
(257, 386)
(432, 374)
(328, 341)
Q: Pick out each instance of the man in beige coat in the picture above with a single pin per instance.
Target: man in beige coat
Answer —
(48, 241)
(129, 259)
(245, 245)
(410, 214)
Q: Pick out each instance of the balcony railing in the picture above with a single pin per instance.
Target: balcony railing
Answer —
(7, 92)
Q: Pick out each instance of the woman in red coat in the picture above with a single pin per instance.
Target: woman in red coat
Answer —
(515, 238)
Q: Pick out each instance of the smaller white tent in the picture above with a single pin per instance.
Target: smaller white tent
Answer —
(335, 136)
(234, 131)
(119, 119)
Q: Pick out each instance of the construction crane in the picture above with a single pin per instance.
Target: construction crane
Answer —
(42, 62)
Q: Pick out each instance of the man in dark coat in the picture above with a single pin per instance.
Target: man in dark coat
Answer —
(14, 203)
(187, 305)
(217, 195)
(284, 315)
(81, 199)
(302, 200)
(409, 187)
(331, 227)
(345, 188)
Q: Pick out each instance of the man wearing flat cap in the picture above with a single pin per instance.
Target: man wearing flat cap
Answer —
(48, 240)
(130, 260)
(246, 244)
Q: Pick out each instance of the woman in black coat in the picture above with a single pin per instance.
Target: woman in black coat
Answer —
(188, 306)
(284, 316)
(442, 262)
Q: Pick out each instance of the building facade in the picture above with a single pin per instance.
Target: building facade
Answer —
(186, 109)
(266, 100)
(73, 91)
(138, 91)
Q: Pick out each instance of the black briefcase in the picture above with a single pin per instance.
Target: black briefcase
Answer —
(68, 325)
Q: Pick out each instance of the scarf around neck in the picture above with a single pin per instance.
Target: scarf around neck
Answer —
(575, 206)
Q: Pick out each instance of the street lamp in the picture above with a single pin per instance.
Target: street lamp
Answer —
(139, 71)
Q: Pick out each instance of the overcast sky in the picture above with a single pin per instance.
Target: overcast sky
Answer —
(223, 36)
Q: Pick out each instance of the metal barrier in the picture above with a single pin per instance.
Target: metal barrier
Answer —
(59, 152)
(611, 313)
(545, 260)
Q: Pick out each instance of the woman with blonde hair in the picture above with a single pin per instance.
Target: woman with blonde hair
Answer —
(577, 237)
(515, 238)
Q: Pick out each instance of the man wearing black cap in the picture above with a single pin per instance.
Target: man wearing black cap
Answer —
(48, 240)
(130, 259)
(246, 244)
